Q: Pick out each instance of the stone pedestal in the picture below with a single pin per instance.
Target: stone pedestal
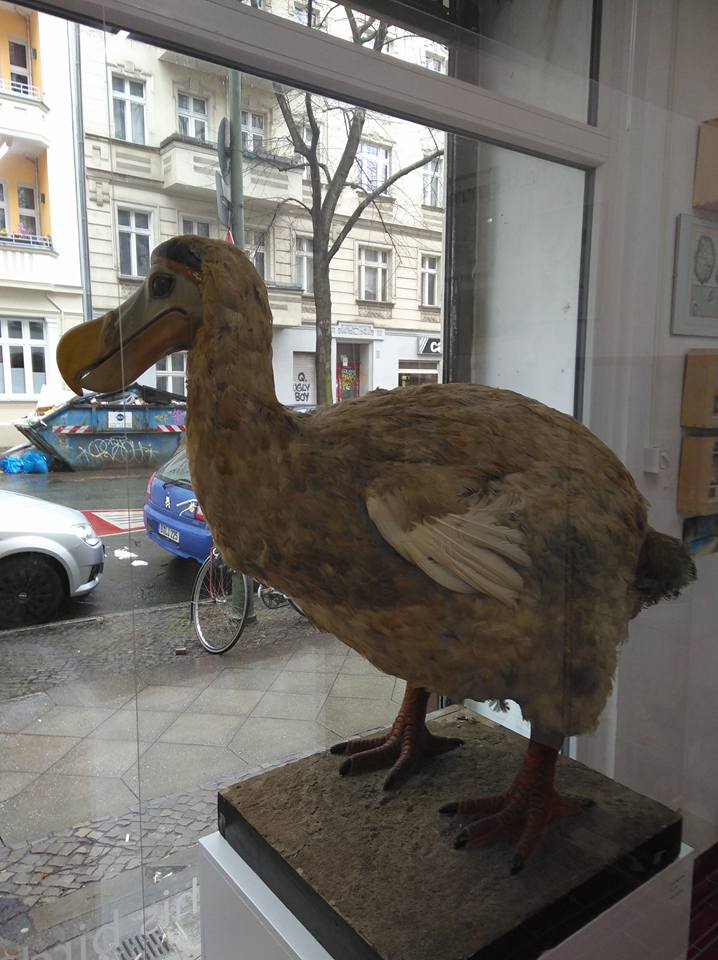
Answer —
(374, 876)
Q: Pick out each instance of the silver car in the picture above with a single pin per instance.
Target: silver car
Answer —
(47, 553)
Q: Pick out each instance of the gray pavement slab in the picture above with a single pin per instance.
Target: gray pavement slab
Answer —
(130, 724)
(68, 721)
(266, 741)
(19, 713)
(211, 729)
(23, 753)
(226, 700)
(101, 758)
(171, 767)
(158, 697)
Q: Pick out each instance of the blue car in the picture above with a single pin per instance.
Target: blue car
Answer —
(173, 517)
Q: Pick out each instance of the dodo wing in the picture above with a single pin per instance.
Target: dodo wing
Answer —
(477, 551)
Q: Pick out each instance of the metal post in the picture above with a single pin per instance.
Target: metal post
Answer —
(235, 146)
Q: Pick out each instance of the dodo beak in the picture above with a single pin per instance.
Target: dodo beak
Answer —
(160, 318)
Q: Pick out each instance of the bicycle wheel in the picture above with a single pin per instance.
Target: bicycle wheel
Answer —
(220, 597)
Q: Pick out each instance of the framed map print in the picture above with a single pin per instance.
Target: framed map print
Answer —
(695, 278)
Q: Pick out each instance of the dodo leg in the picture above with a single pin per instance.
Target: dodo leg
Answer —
(402, 748)
(527, 808)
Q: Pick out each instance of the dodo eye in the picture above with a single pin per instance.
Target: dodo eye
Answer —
(161, 284)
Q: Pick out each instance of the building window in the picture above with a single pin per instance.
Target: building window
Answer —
(19, 68)
(134, 242)
(373, 273)
(192, 116)
(128, 109)
(27, 211)
(254, 247)
(252, 131)
(23, 368)
(305, 264)
(200, 228)
(300, 12)
(172, 373)
(3, 207)
(432, 183)
(429, 280)
(372, 165)
(412, 373)
(434, 62)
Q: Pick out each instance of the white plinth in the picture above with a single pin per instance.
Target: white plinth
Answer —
(242, 919)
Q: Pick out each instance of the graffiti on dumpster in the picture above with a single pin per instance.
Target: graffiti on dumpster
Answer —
(114, 450)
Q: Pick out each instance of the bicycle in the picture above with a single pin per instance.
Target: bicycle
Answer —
(221, 600)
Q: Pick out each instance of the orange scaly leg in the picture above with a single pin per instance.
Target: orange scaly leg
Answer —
(527, 808)
(402, 748)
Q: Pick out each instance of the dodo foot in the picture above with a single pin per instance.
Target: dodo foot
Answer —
(403, 748)
(527, 808)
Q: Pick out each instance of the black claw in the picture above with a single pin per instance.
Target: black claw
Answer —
(345, 768)
(518, 865)
(461, 840)
(339, 747)
(450, 809)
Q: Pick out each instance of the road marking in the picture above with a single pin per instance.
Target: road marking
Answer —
(107, 522)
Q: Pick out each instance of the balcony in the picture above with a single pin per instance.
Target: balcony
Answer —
(189, 165)
(25, 241)
(23, 118)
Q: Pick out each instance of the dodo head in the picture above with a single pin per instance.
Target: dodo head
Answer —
(189, 278)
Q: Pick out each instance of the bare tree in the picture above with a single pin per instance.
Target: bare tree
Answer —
(327, 185)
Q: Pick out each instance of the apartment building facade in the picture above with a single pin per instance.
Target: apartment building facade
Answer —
(40, 276)
(151, 118)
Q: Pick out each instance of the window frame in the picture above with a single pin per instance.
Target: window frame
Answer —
(27, 343)
(193, 117)
(304, 277)
(4, 206)
(364, 183)
(362, 266)
(247, 130)
(424, 274)
(28, 211)
(437, 58)
(432, 177)
(26, 71)
(169, 374)
(127, 100)
(134, 231)
(252, 250)
(194, 220)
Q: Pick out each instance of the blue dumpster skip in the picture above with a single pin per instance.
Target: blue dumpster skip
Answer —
(139, 426)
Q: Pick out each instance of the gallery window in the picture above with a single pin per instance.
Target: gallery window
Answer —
(429, 280)
(171, 373)
(300, 12)
(134, 242)
(23, 369)
(434, 62)
(128, 109)
(373, 273)
(200, 228)
(254, 246)
(3, 206)
(192, 116)
(372, 165)
(252, 131)
(304, 261)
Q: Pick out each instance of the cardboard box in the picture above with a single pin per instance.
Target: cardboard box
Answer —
(705, 185)
(700, 390)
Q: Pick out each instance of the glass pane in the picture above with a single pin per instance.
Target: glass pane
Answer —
(178, 361)
(38, 368)
(183, 125)
(126, 254)
(2, 192)
(124, 217)
(200, 106)
(161, 364)
(183, 101)
(14, 329)
(17, 369)
(178, 385)
(143, 254)
(2, 368)
(118, 84)
(118, 116)
(27, 225)
(3, 219)
(187, 225)
(138, 122)
(137, 89)
(202, 229)
(200, 130)
(26, 198)
(142, 220)
(18, 54)
(37, 330)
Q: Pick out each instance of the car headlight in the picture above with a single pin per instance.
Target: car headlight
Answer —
(86, 533)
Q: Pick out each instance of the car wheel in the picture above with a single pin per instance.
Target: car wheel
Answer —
(31, 590)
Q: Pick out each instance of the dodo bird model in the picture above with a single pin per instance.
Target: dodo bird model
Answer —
(469, 540)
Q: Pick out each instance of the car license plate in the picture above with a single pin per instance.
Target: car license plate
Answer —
(168, 532)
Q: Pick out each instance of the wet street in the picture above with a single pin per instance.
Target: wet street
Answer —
(164, 579)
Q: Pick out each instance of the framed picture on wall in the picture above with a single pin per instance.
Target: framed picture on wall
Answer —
(695, 278)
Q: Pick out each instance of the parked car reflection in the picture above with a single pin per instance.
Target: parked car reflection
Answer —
(47, 553)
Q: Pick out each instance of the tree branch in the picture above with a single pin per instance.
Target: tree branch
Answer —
(370, 197)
